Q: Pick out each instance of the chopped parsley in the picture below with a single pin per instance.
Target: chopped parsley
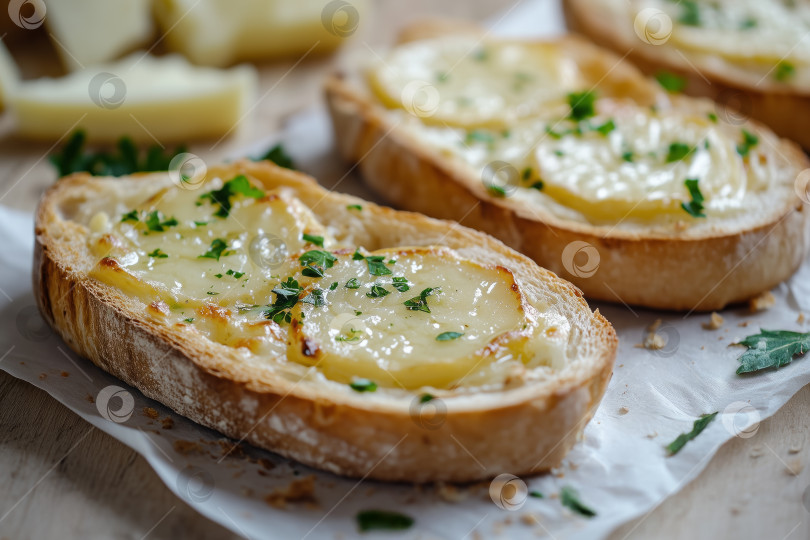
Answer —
(627, 156)
(313, 239)
(189, 320)
(370, 520)
(315, 298)
(363, 385)
(784, 71)
(333, 286)
(239, 185)
(605, 128)
(376, 263)
(678, 151)
(352, 284)
(700, 424)
(582, 105)
(442, 76)
(527, 173)
(449, 336)
(570, 499)
(130, 216)
(712, 117)
(419, 303)
(316, 261)
(537, 185)
(287, 294)
(157, 254)
(377, 292)
(536, 494)
(354, 336)
(354, 207)
(154, 222)
(670, 82)
(749, 141)
(424, 398)
(400, 284)
(498, 191)
(217, 250)
(212, 293)
(235, 274)
(695, 206)
(279, 156)
(480, 136)
(690, 13)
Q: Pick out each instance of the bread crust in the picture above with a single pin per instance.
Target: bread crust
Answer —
(520, 430)
(689, 272)
(776, 106)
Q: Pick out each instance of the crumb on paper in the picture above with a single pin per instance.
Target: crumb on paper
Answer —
(529, 518)
(450, 493)
(795, 448)
(65, 374)
(735, 510)
(652, 435)
(715, 322)
(800, 318)
(621, 365)
(761, 302)
(653, 341)
(167, 423)
(90, 398)
(757, 452)
(42, 376)
(743, 324)
(794, 467)
(623, 410)
(266, 464)
(229, 449)
(149, 412)
(301, 490)
(187, 447)
(247, 492)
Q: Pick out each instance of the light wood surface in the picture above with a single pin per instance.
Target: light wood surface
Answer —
(65, 479)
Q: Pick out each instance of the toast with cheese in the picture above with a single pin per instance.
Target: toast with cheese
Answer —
(752, 56)
(570, 155)
(350, 337)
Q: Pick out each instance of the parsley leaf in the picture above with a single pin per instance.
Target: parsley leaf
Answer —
(377, 292)
(700, 424)
(772, 349)
(315, 298)
(400, 284)
(354, 207)
(678, 151)
(784, 71)
(570, 498)
(690, 13)
(316, 261)
(218, 246)
(157, 254)
(449, 336)
(239, 185)
(424, 398)
(352, 284)
(312, 239)
(277, 155)
(376, 263)
(749, 141)
(536, 494)
(419, 303)
(670, 82)
(363, 385)
(606, 128)
(154, 222)
(479, 135)
(130, 216)
(369, 520)
(287, 294)
(582, 105)
(694, 207)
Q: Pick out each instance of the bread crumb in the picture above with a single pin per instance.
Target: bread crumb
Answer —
(42, 376)
(735, 511)
(800, 319)
(794, 467)
(681, 225)
(450, 493)
(65, 374)
(301, 490)
(653, 341)
(621, 365)
(743, 324)
(150, 412)
(761, 302)
(529, 518)
(167, 423)
(187, 447)
(90, 398)
(757, 452)
(652, 435)
(714, 323)
(623, 410)
(266, 463)
(795, 448)
(247, 492)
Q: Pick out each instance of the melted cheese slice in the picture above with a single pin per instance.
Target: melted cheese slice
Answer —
(195, 267)
(461, 81)
(632, 171)
(370, 332)
(741, 30)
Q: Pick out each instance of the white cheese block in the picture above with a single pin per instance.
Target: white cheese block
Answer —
(89, 32)
(149, 99)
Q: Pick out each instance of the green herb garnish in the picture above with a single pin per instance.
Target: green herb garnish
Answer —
(479, 135)
(772, 349)
(424, 398)
(370, 520)
(678, 151)
(449, 336)
(527, 173)
(582, 105)
(279, 156)
(498, 191)
(333, 286)
(700, 424)
(316, 261)
(189, 320)
(154, 222)
(157, 254)
(695, 206)
(130, 216)
(239, 185)
(670, 82)
(352, 284)
(784, 71)
(354, 207)
(690, 13)
(363, 385)
(605, 128)
(570, 498)
(315, 298)
(218, 246)
(400, 284)
(712, 117)
(313, 239)
(287, 294)
(749, 141)
(419, 303)
(538, 185)
(376, 263)
(377, 292)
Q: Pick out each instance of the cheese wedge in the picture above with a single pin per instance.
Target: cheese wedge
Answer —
(146, 98)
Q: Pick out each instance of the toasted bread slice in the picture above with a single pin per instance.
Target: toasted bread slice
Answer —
(571, 156)
(752, 56)
(350, 337)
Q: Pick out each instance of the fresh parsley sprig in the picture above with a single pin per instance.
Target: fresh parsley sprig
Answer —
(700, 424)
(419, 303)
(695, 206)
(772, 349)
(239, 185)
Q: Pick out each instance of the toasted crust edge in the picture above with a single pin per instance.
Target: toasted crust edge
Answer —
(743, 263)
(778, 110)
(533, 435)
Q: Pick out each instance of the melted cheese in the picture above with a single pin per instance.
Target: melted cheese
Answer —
(341, 332)
(742, 30)
(461, 81)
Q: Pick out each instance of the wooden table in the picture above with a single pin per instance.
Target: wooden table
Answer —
(63, 478)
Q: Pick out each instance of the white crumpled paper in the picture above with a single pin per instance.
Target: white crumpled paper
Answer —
(621, 469)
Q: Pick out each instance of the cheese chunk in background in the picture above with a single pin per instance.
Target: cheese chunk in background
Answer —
(90, 32)
(146, 98)
(221, 32)
(9, 76)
